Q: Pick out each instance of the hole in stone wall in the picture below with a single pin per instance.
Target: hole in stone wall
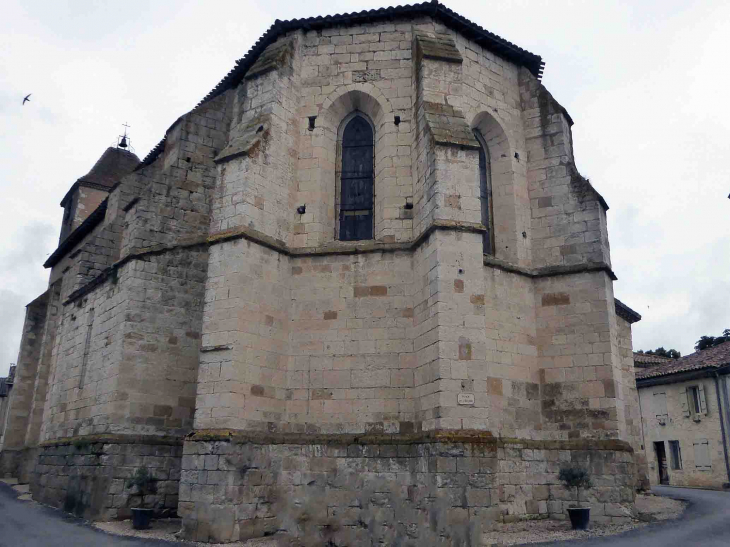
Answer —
(311, 122)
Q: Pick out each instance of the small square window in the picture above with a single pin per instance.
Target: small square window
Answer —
(676, 454)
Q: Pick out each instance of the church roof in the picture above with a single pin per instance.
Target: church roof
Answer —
(109, 169)
(451, 19)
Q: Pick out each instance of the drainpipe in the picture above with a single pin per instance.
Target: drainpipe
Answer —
(722, 428)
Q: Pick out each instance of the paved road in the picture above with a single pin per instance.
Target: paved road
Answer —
(705, 523)
(27, 524)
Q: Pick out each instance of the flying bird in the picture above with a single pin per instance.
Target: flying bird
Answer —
(27, 98)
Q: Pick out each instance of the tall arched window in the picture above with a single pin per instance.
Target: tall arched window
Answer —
(485, 194)
(356, 181)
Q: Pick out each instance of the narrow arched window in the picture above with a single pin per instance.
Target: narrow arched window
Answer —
(485, 194)
(356, 182)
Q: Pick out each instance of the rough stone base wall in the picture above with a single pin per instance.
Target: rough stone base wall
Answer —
(88, 477)
(18, 464)
(404, 489)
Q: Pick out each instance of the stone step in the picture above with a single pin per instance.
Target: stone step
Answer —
(25, 497)
(10, 481)
(22, 488)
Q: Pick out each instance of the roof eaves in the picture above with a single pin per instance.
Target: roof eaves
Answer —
(77, 235)
(623, 311)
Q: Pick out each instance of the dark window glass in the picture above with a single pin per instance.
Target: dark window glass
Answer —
(485, 193)
(676, 454)
(694, 399)
(356, 183)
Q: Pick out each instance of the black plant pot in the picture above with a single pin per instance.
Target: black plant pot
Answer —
(141, 518)
(579, 517)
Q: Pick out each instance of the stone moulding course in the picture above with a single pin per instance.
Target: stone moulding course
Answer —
(337, 248)
(115, 438)
(461, 436)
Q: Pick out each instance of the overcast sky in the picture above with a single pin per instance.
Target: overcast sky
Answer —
(646, 83)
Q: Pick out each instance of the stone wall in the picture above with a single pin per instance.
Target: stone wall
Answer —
(88, 476)
(418, 487)
(22, 396)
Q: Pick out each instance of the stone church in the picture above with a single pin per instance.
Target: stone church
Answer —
(361, 290)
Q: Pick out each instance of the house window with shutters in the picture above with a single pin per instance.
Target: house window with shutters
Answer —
(485, 194)
(660, 407)
(702, 454)
(356, 189)
(694, 402)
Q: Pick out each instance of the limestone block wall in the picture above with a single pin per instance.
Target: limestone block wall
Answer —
(568, 215)
(351, 340)
(89, 476)
(578, 357)
(175, 206)
(22, 395)
(44, 371)
(406, 487)
(367, 68)
(256, 166)
(245, 337)
(700, 442)
(86, 200)
(632, 408)
(87, 358)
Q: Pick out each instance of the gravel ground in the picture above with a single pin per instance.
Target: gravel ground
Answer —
(167, 528)
(650, 509)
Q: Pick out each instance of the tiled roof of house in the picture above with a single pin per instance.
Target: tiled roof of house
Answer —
(642, 359)
(716, 357)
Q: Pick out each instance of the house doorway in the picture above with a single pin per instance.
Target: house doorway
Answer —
(661, 457)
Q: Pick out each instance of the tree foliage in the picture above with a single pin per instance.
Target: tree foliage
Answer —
(661, 352)
(712, 341)
(144, 482)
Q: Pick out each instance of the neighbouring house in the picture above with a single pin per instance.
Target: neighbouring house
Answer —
(363, 273)
(685, 416)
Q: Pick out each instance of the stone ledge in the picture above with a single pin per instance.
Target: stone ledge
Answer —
(438, 48)
(337, 248)
(462, 436)
(549, 271)
(114, 438)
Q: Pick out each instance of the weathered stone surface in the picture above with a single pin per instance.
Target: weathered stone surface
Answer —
(329, 490)
(211, 293)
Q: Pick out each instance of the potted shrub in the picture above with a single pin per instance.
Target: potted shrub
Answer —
(145, 484)
(576, 477)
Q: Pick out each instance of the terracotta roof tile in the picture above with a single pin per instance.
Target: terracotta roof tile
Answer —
(716, 357)
(648, 360)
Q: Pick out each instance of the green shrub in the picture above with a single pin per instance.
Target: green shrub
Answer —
(576, 477)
